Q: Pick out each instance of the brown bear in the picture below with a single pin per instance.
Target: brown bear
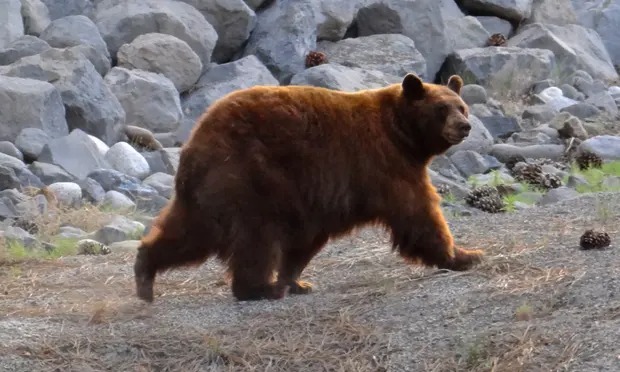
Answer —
(269, 174)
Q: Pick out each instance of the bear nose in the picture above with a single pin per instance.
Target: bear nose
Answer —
(464, 128)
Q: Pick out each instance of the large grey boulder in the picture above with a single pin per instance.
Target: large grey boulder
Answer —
(496, 25)
(334, 17)
(605, 146)
(500, 69)
(348, 79)
(603, 16)
(557, 12)
(285, 33)
(78, 30)
(389, 53)
(30, 141)
(89, 103)
(120, 22)
(36, 16)
(574, 47)
(218, 81)
(125, 159)
(150, 100)
(23, 46)
(164, 54)
(76, 153)
(29, 103)
(512, 10)
(436, 27)
(63, 8)
(11, 24)
(233, 21)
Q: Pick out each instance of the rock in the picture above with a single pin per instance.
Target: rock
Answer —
(70, 232)
(151, 205)
(171, 159)
(17, 236)
(582, 110)
(500, 69)
(255, 4)
(11, 162)
(23, 46)
(91, 247)
(149, 100)
(156, 161)
(603, 17)
(473, 93)
(141, 138)
(118, 230)
(570, 92)
(91, 190)
(469, 163)
(512, 10)
(569, 126)
(89, 104)
(50, 173)
(123, 21)
(36, 16)
(574, 47)
(604, 102)
(334, 17)
(504, 152)
(539, 113)
(67, 193)
(611, 183)
(77, 153)
(27, 179)
(284, 34)
(163, 54)
(78, 30)
(110, 179)
(11, 25)
(63, 8)
(343, 78)
(125, 159)
(30, 103)
(168, 139)
(495, 25)
(479, 139)
(391, 54)
(30, 141)
(8, 178)
(528, 138)
(233, 21)
(605, 146)
(539, 86)
(554, 98)
(9, 148)
(117, 201)
(559, 194)
(217, 82)
(492, 178)
(456, 189)
(557, 12)
(500, 126)
(436, 27)
(127, 246)
(162, 182)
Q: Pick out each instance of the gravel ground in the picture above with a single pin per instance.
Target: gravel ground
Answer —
(537, 303)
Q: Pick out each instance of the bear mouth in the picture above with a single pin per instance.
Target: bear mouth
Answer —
(455, 140)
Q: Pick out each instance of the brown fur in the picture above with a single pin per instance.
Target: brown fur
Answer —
(269, 174)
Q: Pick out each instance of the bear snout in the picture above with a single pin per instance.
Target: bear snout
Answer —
(463, 128)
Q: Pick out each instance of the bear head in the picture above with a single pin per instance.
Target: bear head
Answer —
(432, 117)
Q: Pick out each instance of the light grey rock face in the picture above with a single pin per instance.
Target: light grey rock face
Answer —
(433, 25)
(604, 17)
(496, 25)
(504, 152)
(499, 68)
(343, 78)
(120, 229)
(89, 104)
(334, 17)
(77, 30)
(125, 159)
(604, 102)
(285, 33)
(465, 32)
(77, 153)
(50, 173)
(233, 21)
(30, 141)
(255, 4)
(389, 53)
(554, 98)
(30, 103)
(473, 93)
(150, 100)
(117, 201)
(574, 47)
(162, 182)
(512, 10)
(469, 163)
(164, 54)
(67, 193)
(23, 46)
(556, 195)
(62, 8)
(605, 146)
(218, 81)
(120, 22)
(36, 16)
(557, 12)
(11, 24)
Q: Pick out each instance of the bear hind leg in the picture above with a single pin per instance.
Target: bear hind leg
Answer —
(294, 261)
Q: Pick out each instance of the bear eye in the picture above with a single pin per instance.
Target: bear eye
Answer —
(462, 109)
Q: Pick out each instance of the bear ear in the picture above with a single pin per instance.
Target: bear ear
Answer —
(413, 87)
(455, 83)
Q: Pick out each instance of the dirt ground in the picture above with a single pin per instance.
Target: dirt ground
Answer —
(537, 303)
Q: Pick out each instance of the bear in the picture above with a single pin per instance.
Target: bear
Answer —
(269, 174)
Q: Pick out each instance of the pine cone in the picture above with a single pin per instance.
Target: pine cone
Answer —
(587, 160)
(533, 174)
(315, 58)
(486, 198)
(496, 40)
(594, 240)
(443, 189)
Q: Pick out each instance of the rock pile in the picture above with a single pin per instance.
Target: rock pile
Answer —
(96, 96)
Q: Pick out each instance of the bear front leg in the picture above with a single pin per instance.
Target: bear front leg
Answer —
(295, 260)
(421, 233)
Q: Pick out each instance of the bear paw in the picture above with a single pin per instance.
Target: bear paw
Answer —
(463, 260)
(300, 287)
